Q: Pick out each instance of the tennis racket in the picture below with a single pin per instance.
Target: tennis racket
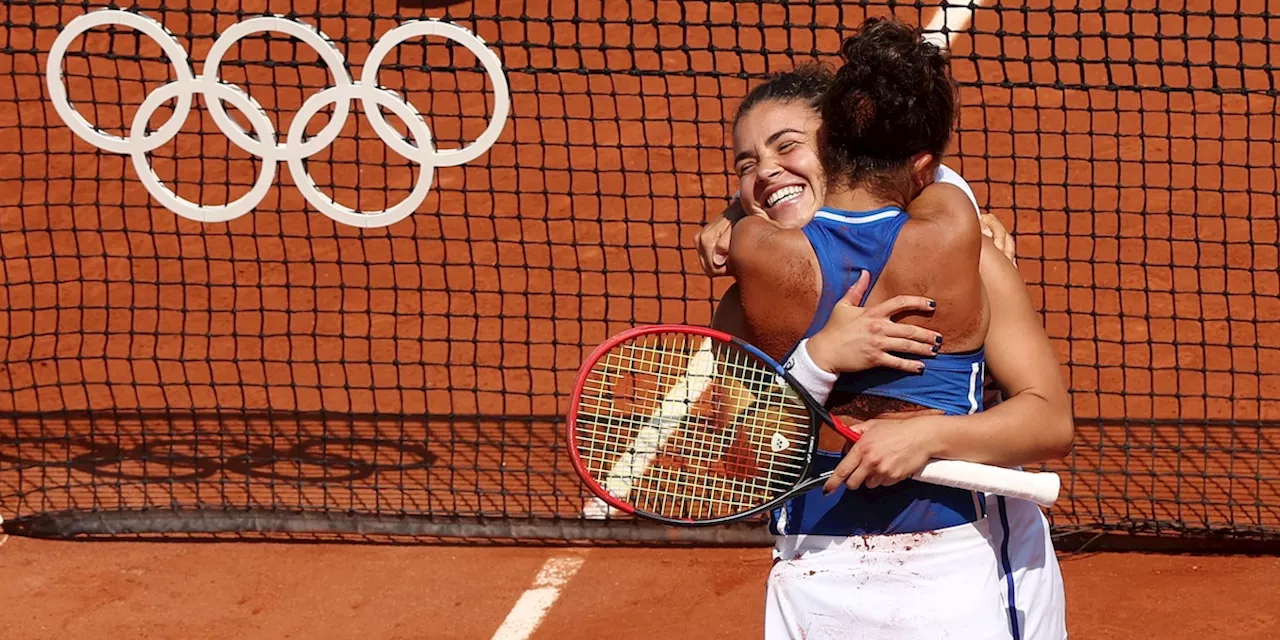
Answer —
(691, 426)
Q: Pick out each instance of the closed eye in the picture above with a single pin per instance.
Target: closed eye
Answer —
(777, 136)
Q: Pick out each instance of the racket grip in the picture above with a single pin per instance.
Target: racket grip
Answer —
(1040, 488)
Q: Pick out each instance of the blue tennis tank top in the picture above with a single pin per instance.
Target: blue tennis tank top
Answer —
(846, 243)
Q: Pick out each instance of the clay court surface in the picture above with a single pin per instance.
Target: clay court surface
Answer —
(276, 591)
(282, 361)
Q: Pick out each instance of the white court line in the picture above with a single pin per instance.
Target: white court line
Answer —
(951, 19)
(534, 603)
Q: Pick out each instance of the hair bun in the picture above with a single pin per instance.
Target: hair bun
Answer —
(892, 99)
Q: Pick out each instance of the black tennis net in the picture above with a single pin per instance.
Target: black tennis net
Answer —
(285, 371)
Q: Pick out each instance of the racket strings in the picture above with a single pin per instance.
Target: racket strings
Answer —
(683, 426)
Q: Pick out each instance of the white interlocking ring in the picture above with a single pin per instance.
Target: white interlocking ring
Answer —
(296, 147)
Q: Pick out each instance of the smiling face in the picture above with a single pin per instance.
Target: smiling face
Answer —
(776, 158)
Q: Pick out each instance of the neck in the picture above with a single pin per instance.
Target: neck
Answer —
(858, 199)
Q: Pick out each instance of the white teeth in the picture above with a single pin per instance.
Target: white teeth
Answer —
(785, 193)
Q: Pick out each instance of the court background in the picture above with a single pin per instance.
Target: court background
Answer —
(281, 371)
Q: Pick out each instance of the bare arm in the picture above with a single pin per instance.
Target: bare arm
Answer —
(777, 283)
(1033, 425)
(728, 314)
(1035, 422)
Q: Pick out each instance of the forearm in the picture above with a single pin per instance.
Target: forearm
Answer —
(1025, 429)
(1022, 430)
(1034, 422)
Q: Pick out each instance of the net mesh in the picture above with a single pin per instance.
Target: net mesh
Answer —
(286, 363)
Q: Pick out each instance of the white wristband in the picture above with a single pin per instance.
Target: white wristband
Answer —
(816, 380)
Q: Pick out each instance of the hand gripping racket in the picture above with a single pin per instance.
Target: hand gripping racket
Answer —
(691, 426)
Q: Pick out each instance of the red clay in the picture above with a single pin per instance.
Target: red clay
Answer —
(1117, 596)
(278, 591)
(257, 591)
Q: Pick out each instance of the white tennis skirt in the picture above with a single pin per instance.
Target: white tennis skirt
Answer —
(911, 586)
(1034, 596)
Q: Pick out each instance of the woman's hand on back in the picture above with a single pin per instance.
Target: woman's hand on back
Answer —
(856, 339)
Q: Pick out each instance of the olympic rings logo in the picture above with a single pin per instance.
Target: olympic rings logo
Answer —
(263, 144)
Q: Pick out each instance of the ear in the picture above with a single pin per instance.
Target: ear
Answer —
(924, 167)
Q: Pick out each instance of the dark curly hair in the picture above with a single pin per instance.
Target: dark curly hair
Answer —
(893, 98)
(806, 83)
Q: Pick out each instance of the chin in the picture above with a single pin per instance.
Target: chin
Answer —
(794, 215)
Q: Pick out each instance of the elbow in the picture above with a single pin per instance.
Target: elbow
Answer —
(1063, 427)
(1055, 435)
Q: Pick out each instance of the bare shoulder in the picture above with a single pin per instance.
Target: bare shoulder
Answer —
(758, 243)
(946, 207)
(942, 236)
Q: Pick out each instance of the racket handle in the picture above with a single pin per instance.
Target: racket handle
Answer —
(1040, 488)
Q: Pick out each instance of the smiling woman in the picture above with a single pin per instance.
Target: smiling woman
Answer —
(774, 135)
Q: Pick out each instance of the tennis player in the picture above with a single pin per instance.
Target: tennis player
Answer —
(780, 151)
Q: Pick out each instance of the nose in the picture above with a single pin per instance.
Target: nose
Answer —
(768, 168)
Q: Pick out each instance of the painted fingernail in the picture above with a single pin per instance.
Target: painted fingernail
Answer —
(938, 339)
(920, 369)
(826, 491)
(933, 303)
(935, 348)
